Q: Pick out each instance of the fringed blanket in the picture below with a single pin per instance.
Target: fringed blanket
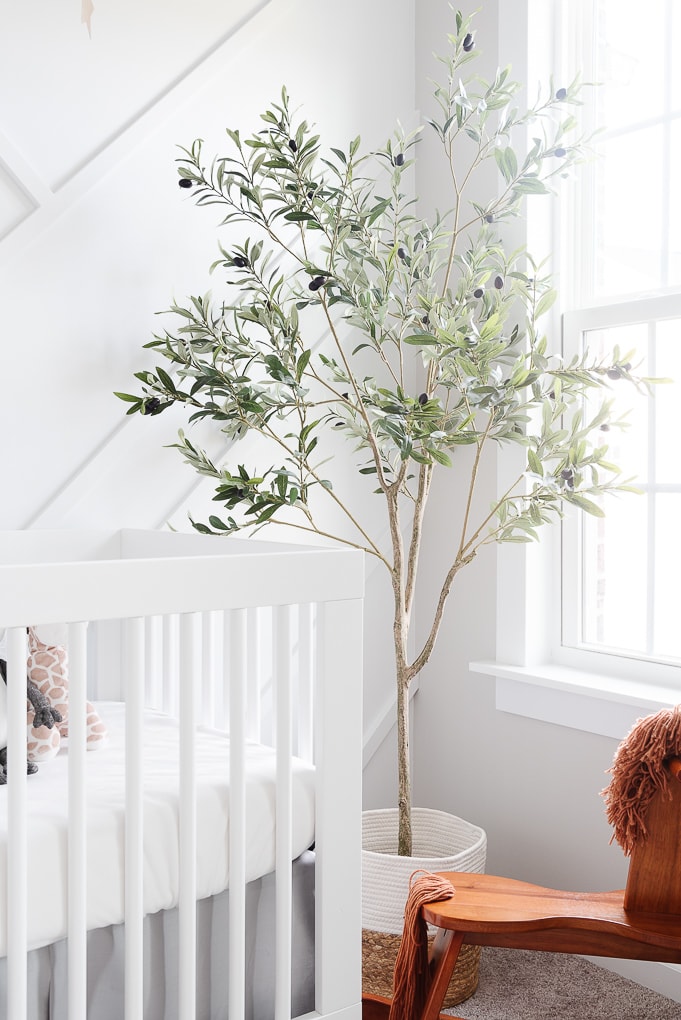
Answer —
(638, 772)
(411, 966)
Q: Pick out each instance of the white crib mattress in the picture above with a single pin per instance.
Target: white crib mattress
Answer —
(47, 824)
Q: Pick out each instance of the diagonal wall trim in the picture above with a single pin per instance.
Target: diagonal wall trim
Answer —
(125, 464)
(114, 457)
(25, 176)
(53, 204)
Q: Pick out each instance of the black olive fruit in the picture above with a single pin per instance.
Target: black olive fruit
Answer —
(151, 406)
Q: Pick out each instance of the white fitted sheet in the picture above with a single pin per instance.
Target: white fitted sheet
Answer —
(47, 824)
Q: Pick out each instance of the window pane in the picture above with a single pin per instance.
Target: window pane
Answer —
(629, 204)
(674, 219)
(628, 447)
(615, 576)
(629, 61)
(667, 633)
(675, 97)
(667, 401)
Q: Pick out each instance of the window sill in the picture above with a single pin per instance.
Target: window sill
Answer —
(593, 703)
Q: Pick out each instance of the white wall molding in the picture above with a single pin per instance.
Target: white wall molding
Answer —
(51, 204)
(25, 176)
(129, 453)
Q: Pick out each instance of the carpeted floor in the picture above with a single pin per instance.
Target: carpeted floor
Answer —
(518, 985)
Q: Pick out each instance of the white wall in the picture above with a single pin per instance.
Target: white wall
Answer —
(95, 235)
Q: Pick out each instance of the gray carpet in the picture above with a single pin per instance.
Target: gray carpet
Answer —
(517, 985)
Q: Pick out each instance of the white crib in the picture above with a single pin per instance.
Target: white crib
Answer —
(229, 676)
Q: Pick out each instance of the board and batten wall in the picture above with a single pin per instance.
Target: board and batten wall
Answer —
(96, 237)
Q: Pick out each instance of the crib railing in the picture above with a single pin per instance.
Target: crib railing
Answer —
(228, 642)
(259, 640)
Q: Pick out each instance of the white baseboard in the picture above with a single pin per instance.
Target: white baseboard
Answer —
(664, 978)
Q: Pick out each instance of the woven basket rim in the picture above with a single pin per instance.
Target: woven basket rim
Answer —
(476, 836)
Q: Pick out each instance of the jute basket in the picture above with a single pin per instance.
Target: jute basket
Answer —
(442, 842)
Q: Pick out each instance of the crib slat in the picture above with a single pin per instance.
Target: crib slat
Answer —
(338, 759)
(304, 714)
(209, 637)
(284, 808)
(77, 863)
(134, 818)
(254, 674)
(153, 673)
(190, 674)
(17, 871)
(170, 663)
(237, 814)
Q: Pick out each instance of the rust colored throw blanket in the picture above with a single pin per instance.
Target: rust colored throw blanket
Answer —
(411, 965)
(638, 772)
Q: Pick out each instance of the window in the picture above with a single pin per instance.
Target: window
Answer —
(587, 629)
(622, 253)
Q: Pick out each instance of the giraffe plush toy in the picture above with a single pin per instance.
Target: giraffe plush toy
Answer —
(41, 720)
(48, 703)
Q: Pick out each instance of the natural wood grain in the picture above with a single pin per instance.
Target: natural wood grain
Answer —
(443, 956)
(654, 882)
(375, 1007)
(493, 911)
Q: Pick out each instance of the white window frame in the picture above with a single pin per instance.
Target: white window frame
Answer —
(573, 650)
(536, 674)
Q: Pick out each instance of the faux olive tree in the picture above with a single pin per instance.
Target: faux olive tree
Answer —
(340, 311)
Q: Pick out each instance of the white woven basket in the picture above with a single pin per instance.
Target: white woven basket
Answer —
(442, 842)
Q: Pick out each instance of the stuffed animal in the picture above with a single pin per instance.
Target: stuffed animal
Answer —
(41, 716)
(48, 667)
(48, 704)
